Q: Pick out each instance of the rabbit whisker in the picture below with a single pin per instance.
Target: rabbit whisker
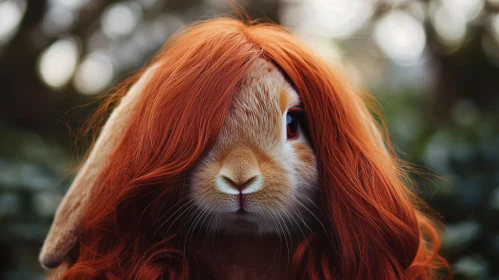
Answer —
(318, 220)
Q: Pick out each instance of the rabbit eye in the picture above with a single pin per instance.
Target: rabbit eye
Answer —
(292, 125)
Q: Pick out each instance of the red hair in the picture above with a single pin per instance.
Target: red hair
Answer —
(373, 224)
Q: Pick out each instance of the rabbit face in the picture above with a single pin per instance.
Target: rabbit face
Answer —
(261, 175)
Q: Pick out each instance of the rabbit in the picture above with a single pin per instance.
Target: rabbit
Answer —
(240, 154)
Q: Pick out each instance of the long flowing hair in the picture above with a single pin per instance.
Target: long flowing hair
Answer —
(374, 225)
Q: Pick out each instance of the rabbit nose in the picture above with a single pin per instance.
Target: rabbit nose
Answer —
(239, 185)
(239, 173)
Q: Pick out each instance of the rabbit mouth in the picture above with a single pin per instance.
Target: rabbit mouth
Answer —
(242, 214)
(240, 221)
(241, 211)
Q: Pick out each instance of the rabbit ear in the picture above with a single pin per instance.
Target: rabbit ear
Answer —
(64, 231)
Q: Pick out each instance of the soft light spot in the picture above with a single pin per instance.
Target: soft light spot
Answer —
(336, 18)
(470, 8)
(494, 27)
(461, 234)
(58, 62)
(11, 13)
(119, 19)
(94, 74)
(450, 25)
(469, 267)
(71, 4)
(324, 47)
(400, 37)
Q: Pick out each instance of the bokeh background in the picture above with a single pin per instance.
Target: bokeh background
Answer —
(433, 65)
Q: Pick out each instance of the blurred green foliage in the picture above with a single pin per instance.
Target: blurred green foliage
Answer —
(459, 157)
